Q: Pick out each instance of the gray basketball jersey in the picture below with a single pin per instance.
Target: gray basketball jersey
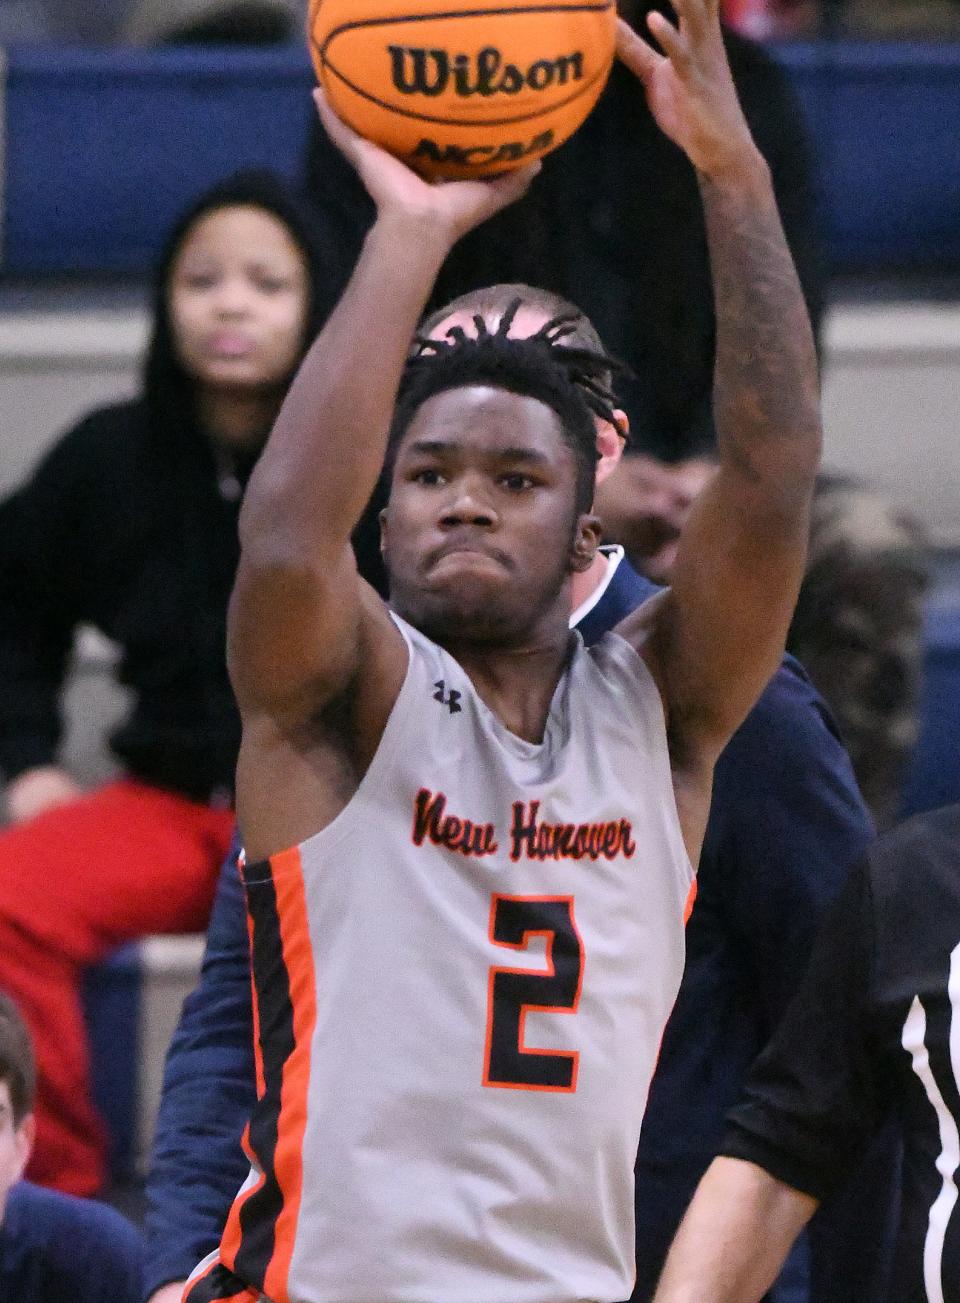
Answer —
(461, 986)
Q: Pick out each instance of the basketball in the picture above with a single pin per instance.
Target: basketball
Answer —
(457, 88)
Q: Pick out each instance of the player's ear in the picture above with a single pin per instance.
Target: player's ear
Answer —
(586, 541)
(611, 441)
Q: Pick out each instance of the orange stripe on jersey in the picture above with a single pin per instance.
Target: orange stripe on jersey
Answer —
(288, 1162)
(691, 897)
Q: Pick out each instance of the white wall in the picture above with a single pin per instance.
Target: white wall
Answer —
(56, 367)
(892, 406)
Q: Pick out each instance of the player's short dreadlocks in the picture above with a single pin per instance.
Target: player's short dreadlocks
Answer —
(573, 381)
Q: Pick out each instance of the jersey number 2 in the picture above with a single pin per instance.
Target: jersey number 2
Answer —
(513, 992)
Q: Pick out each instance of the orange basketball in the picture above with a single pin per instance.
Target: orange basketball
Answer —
(462, 88)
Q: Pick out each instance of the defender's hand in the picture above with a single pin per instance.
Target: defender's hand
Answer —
(453, 207)
(690, 89)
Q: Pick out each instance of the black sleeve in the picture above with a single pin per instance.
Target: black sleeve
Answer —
(40, 567)
(811, 1101)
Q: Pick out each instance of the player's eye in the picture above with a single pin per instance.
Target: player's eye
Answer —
(428, 476)
(516, 482)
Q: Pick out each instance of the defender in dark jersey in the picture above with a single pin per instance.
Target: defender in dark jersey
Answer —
(872, 1033)
(488, 518)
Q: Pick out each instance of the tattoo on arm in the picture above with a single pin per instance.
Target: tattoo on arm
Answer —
(766, 389)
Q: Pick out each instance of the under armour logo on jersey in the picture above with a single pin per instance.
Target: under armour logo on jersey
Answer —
(449, 699)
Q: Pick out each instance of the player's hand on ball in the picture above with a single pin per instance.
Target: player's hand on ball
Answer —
(455, 207)
(689, 88)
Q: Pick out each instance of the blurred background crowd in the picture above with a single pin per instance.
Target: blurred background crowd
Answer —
(131, 223)
(145, 21)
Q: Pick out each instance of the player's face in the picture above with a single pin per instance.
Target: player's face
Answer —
(481, 533)
(238, 297)
(15, 1142)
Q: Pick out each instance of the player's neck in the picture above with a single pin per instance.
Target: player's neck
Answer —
(583, 586)
(518, 683)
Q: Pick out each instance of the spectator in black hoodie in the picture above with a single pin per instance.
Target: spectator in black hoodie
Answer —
(130, 525)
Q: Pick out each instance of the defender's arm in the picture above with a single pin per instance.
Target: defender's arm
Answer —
(735, 1236)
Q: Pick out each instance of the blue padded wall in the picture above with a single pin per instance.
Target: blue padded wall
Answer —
(105, 147)
(884, 121)
(934, 779)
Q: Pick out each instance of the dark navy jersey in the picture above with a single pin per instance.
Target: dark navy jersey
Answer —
(874, 1031)
(58, 1249)
(785, 824)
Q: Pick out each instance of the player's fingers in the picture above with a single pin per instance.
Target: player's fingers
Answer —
(635, 53)
(673, 43)
(342, 136)
(694, 16)
(359, 151)
(508, 187)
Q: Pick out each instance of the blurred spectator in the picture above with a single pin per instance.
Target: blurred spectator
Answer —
(615, 224)
(130, 525)
(214, 22)
(109, 22)
(858, 628)
(59, 21)
(53, 1248)
(902, 18)
(770, 19)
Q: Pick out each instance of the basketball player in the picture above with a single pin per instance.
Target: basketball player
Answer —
(430, 794)
(772, 858)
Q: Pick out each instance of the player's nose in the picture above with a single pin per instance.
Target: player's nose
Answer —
(467, 505)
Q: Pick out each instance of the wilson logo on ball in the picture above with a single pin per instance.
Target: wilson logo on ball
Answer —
(463, 88)
(418, 71)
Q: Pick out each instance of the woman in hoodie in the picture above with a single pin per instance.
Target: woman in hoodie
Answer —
(129, 524)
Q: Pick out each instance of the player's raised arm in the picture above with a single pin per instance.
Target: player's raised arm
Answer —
(299, 609)
(719, 635)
